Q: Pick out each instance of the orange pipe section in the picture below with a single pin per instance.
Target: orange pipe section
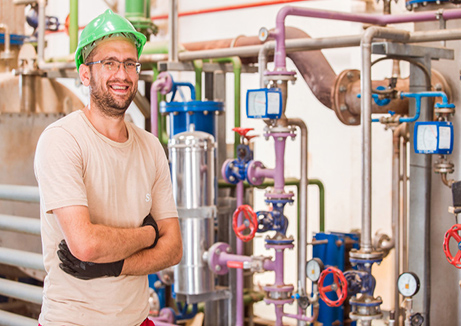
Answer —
(226, 8)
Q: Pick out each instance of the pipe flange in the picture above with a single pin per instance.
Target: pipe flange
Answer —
(443, 111)
(279, 77)
(367, 257)
(366, 308)
(342, 85)
(444, 167)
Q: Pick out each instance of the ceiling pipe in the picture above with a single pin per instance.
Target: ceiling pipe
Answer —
(380, 20)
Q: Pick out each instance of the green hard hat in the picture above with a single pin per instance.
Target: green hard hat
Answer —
(106, 24)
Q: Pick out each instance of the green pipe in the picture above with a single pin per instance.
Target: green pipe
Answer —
(237, 67)
(73, 25)
(198, 67)
(291, 182)
(136, 8)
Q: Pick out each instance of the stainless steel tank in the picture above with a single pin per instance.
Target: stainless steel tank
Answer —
(192, 159)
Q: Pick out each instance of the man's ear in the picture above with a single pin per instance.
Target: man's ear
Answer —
(84, 73)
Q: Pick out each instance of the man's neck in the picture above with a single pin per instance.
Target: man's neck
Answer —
(113, 128)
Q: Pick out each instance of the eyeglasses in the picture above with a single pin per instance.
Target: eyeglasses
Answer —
(114, 65)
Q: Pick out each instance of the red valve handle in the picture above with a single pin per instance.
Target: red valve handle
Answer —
(242, 131)
(235, 264)
(453, 233)
(340, 286)
(250, 222)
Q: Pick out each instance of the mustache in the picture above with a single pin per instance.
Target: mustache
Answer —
(118, 80)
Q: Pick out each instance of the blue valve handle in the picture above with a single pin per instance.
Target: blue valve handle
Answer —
(418, 96)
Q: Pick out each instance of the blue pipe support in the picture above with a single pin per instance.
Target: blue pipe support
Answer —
(418, 96)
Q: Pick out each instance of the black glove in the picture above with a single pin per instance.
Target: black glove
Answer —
(86, 270)
(149, 220)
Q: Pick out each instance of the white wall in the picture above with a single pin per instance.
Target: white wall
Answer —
(334, 149)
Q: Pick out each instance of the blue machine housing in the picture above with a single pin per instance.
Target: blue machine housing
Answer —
(200, 113)
(335, 253)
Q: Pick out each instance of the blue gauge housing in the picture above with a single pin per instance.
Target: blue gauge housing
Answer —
(433, 137)
(264, 103)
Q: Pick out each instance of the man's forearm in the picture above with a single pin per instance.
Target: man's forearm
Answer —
(107, 244)
(100, 243)
(168, 252)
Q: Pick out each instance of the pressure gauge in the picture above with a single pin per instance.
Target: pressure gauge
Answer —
(313, 269)
(433, 137)
(408, 284)
(264, 103)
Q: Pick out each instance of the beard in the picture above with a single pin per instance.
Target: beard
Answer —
(109, 104)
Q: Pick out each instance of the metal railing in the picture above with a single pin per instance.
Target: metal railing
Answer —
(20, 258)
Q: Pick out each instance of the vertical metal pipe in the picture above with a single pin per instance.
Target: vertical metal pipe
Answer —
(365, 238)
(302, 198)
(396, 213)
(420, 199)
(404, 205)
(41, 31)
(73, 26)
(368, 36)
(173, 31)
(239, 291)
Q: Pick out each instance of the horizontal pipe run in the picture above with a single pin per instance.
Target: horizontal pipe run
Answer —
(226, 8)
(20, 224)
(21, 291)
(10, 319)
(21, 258)
(20, 193)
(292, 45)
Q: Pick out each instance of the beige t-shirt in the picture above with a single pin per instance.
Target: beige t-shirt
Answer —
(120, 183)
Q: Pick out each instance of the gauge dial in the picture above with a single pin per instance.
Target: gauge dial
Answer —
(408, 284)
(427, 138)
(313, 269)
(257, 104)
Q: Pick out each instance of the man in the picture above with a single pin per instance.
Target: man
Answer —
(108, 217)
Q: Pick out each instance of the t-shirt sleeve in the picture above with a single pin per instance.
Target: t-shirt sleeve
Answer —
(58, 168)
(163, 205)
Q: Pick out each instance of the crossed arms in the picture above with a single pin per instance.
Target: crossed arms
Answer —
(101, 244)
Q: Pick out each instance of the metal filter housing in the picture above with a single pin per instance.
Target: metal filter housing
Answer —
(192, 159)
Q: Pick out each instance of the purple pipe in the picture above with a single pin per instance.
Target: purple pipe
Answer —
(382, 20)
(263, 172)
(239, 290)
(279, 177)
(225, 257)
(163, 85)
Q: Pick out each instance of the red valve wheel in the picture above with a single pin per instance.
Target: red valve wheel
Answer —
(339, 285)
(453, 233)
(242, 131)
(250, 222)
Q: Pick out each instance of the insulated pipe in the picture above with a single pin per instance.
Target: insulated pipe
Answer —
(302, 226)
(21, 258)
(14, 223)
(8, 318)
(280, 52)
(366, 99)
(21, 291)
(20, 193)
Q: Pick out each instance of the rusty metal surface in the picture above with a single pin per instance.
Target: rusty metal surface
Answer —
(49, 94)
(346, 104)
